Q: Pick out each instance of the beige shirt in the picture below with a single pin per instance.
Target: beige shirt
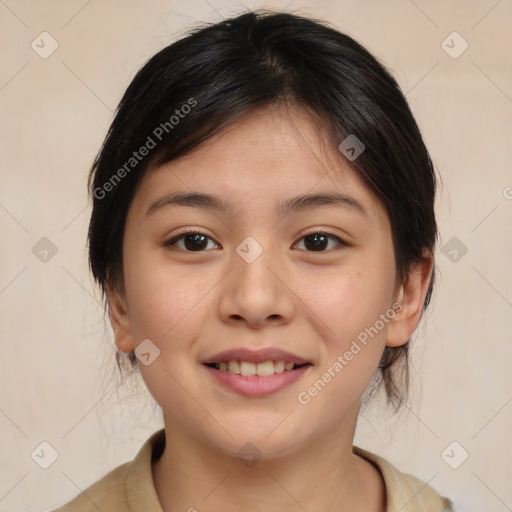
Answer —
(130, 487)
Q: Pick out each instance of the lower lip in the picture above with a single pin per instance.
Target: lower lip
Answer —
(254, 385)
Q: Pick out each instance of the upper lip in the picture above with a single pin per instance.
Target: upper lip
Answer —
(256, 356)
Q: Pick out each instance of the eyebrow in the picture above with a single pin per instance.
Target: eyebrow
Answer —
(294, 204)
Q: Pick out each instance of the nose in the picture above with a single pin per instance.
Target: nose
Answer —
(257, 292)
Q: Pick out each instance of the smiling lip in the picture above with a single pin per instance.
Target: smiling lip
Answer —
(256, 385)
(255, 356)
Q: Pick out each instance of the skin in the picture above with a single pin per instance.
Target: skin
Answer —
(194, 304)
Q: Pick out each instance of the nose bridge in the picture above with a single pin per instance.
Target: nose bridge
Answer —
(254, 292)
(251, 266)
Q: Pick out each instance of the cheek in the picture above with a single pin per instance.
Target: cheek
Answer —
(167, 306)
(355, 308)
(354, 301)
(162, 298)
(352, 309)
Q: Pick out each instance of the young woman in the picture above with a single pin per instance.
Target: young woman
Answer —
(263, 233)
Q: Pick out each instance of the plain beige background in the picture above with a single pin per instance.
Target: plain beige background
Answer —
(56, 355)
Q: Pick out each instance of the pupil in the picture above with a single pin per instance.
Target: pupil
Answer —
(318, 239)
(198, 242)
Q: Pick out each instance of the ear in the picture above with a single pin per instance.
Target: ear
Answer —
(411, 295)
(119, 319)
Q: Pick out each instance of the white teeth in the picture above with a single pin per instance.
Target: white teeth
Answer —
(279, 367)
(264, 369)
(249, 369)
(233, 367)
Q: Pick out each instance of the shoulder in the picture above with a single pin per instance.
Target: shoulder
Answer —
(405, 492)
(127, 487)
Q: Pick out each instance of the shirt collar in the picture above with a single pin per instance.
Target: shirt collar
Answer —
(140, 489)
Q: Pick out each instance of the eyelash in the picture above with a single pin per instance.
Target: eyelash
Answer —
(172, 242)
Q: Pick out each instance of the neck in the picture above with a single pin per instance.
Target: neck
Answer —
(324, 475)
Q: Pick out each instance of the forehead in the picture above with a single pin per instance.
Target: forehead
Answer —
(271, 140)
(265, 157)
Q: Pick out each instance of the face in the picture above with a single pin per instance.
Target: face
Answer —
(252, 276)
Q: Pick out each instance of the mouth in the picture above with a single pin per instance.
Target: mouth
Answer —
(256, 373)
(249, 369)
(256, 380)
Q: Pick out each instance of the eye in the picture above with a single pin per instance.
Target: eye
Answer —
(317, 241)
(193, 241)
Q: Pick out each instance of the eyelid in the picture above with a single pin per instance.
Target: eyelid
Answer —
(322, 231)
(177, 236)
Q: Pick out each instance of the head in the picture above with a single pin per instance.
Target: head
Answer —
(256, 110)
